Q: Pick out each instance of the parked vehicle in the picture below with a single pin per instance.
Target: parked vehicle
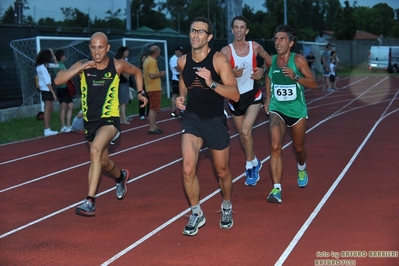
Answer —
(384, 58)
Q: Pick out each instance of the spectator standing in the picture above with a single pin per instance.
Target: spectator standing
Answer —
(311, 59)
(99, 81)
(288, 76)
(143, 111)
(333, 71)
(242, 57)
(326, 67)
(43, 61)
(123, 54)
(336, 63)
(175, 78)
(65, 100)
(153, 85)
(206, 80)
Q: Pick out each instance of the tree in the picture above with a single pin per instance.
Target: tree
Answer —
(8, 17)
(383, 19)
(143, 14)
(75, 18)
(346, 24)
(113, 15)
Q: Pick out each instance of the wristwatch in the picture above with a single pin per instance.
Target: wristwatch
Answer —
(213, 85)
(297, 77)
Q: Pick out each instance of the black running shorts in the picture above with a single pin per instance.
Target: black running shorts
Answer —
(213, 130)
(92, 127)
(246, 100)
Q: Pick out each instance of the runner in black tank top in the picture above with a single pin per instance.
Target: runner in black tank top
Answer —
(206, 79)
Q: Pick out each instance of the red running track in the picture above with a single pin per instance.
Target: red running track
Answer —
(347, 214)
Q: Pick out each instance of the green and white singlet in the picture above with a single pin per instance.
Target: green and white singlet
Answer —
(287, 95)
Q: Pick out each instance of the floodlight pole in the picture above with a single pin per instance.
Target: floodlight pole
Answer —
(128, 17)
(285, 12)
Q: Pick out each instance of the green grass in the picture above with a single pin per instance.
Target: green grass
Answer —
(17, 129)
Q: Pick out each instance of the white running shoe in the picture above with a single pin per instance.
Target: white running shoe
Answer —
(49, 132)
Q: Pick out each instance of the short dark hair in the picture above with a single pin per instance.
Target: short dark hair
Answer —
(58, 54)
(290, 32)
(122, 49)
(204, 20)
(242, 18)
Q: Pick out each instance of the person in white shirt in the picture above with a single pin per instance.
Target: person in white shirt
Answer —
(175, 78)
(43, 61)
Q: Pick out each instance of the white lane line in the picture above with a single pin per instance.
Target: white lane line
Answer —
(69, 146)
(170, 221)
(314, 213)
(87, 162)
(298, 235)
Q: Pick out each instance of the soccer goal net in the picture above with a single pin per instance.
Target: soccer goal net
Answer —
(75, 48)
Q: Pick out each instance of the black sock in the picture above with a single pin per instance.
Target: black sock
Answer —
(120, 178)
(92, 199)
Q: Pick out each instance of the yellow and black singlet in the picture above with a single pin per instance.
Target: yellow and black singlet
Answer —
(100, 90)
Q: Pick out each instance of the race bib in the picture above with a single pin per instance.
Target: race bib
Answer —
(284, 93)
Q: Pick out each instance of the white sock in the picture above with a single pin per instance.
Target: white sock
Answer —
(196, 209)
(301, 167)
(255, 162)
(278, 186)
(248, 165)
(226, 204)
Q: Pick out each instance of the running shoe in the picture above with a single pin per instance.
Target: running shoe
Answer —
(87, 208)
(173, 114)
(121, 188)
(248, 176)
(195, 222)
(274, 196)
(227, 220)
(252, 175)
(255, 173)
(302, 178)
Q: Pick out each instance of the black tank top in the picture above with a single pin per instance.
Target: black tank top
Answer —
(201, 99)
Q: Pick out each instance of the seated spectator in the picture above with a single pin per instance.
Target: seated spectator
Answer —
(77, 123)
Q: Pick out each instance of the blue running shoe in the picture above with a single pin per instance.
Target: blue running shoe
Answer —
(248, 176)
(302, 178)
(252, 175)
(255, 172)
(274, 196)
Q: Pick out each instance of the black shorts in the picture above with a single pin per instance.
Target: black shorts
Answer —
(246, 99)
(92, 127)
(213, 130)
(175, 87)
(289, 121)
(63, 95)
(47, 96)
(332, 78)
